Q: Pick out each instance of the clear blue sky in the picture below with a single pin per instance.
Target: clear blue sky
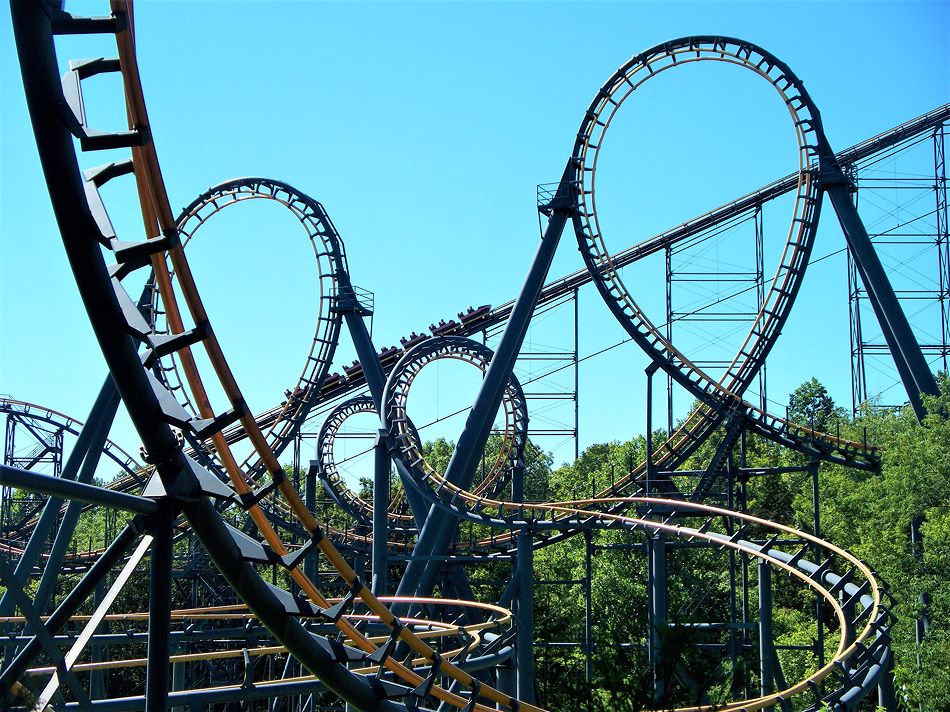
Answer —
(424, 128)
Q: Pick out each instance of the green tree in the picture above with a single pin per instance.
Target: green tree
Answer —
(811, 406)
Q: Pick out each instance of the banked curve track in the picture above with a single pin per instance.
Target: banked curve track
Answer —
(182, 486)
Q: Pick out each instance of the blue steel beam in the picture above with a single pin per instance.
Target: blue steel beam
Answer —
(159, 609)
(421, 573)
(79, 491)
(766, 637)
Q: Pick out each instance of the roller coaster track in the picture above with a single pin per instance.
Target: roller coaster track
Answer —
(306, 396)
(565, 285)
(330, 257)
(406, 667)
(514, 434)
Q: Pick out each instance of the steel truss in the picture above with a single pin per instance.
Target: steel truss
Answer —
(916, 243)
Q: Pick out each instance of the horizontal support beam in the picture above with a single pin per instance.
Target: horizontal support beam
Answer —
(70, 489)
(275, 690)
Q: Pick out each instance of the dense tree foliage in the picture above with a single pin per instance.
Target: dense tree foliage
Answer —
(872, 514)
(868, 513)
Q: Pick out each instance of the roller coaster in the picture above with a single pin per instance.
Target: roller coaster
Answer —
(328, 631)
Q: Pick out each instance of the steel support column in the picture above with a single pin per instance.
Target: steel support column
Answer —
(506, 677)
(178, 679)
(577, 389)
(859, 385)
(922, 619)
(886, 697)
(588, 620)
(159, 611)
(658, 618)
(668, 253)
(310, 499)
(98, 652)
(943, 241)
(766, 635)
(816, 531)
(380, 579)
(735, 641)
(760, 295)
(523, 580)
(650, 469)
(525, 635)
